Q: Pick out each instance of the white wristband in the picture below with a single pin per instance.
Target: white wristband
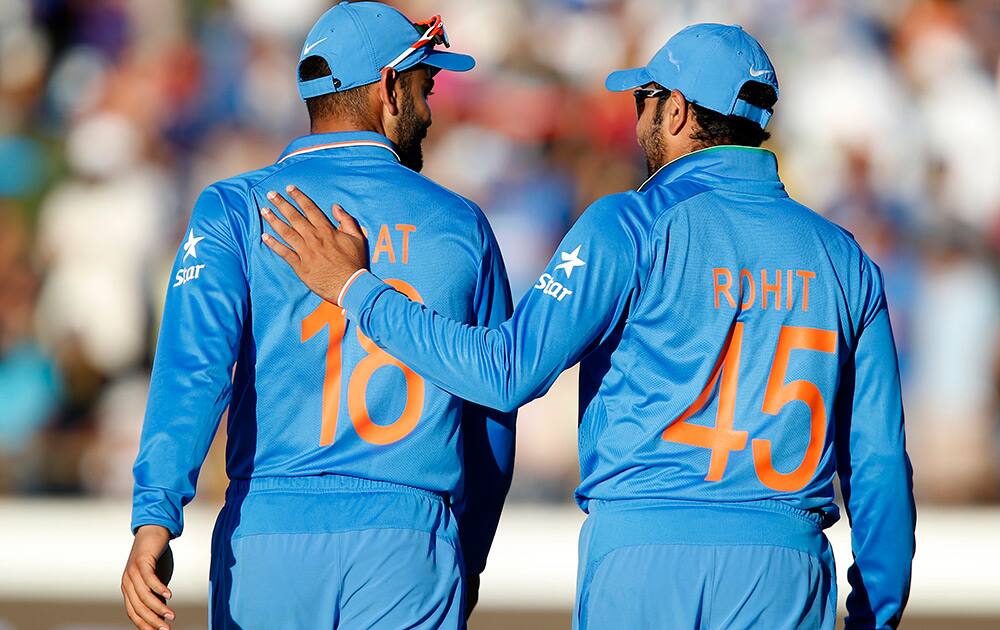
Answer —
(351, 279)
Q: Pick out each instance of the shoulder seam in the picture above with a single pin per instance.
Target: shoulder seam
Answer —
(443, 189)
(241, 252)
(664, 213)
(270, 171)
(673, 206)
(468, 204)
(263, 173)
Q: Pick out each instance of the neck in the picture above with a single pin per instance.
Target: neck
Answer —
(662, 147)
(671, 156)
(676, 150)
(333, 125)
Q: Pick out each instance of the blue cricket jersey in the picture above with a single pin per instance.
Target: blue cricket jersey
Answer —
(735, 347)
(310, 394)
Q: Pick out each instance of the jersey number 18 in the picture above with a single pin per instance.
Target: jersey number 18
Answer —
(331, 315)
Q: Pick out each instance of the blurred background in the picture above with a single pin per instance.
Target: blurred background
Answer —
(114, 114)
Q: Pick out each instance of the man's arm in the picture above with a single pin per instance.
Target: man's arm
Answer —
(574, 305)
(875, 474)
(190, 388)
(487, 434)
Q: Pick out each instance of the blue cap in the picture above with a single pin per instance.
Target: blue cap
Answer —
(358, 39)
(708, 64)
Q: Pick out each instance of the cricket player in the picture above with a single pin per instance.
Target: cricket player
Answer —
(361, 495)
(736, 354)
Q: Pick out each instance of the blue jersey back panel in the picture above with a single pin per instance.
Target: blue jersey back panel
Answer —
(735, 348)
(720, 411)
(310, 394)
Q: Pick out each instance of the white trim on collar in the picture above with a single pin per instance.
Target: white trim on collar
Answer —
(340, 145)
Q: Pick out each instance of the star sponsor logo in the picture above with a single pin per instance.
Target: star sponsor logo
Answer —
(552, 287)
(548, 282)
(191, 245)
(190, 248)
(570, 261)
(187, 274)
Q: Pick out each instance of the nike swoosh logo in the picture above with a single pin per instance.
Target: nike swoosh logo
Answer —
(758, 73)
(305, 51)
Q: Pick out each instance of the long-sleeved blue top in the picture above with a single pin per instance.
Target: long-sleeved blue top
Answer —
(310, 394)
(734, 347)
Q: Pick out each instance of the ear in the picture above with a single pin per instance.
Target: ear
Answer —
(387, 90)
(677, 113)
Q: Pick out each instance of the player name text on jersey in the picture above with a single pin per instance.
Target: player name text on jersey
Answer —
(777, 289)
(384, 246)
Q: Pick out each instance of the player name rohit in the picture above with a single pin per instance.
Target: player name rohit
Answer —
(776, 289)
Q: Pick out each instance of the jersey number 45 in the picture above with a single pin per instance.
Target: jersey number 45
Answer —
(723, 439)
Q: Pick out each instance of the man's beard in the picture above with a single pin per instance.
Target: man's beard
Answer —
(652, 141)
(410, 136)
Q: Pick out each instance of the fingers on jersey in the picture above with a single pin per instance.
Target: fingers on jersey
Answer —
(284, 251)
(145, 609)
(348, 224)
(300, 226)
(286, 221)
(309, 209)
(305, 229)
(287, 253)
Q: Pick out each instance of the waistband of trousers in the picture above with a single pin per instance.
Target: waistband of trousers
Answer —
(647, 521)
(325, 483)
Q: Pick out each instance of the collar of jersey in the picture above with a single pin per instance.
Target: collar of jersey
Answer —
(371, 143)
(727, 167)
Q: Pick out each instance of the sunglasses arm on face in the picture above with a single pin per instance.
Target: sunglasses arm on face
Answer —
(642, 94)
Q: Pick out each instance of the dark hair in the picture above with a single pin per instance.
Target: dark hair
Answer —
(715, 128)
(346, 104)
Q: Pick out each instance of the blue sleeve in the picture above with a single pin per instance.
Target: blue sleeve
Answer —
(192, 372)
(487, 434)
(574, 305)
(875, 473)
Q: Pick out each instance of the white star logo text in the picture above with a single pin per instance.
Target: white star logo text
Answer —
(191, 245)
(570, 261)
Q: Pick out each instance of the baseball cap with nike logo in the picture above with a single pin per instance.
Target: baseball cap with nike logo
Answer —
(709, 64)
(359, 39)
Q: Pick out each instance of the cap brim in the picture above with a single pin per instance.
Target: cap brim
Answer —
(622, 80)
(455, 62)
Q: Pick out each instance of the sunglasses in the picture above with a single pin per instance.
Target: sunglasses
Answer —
(642, 94)
(432, 33)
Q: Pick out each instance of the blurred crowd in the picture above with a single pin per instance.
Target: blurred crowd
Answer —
(115, 113)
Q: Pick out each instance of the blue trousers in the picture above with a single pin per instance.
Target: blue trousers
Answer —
(334, 552)
(651, 565)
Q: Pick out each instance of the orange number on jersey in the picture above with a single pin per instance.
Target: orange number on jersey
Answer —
(327, 314)
(332, 315)
(778, 394)
(358, 386)
(722, 439)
